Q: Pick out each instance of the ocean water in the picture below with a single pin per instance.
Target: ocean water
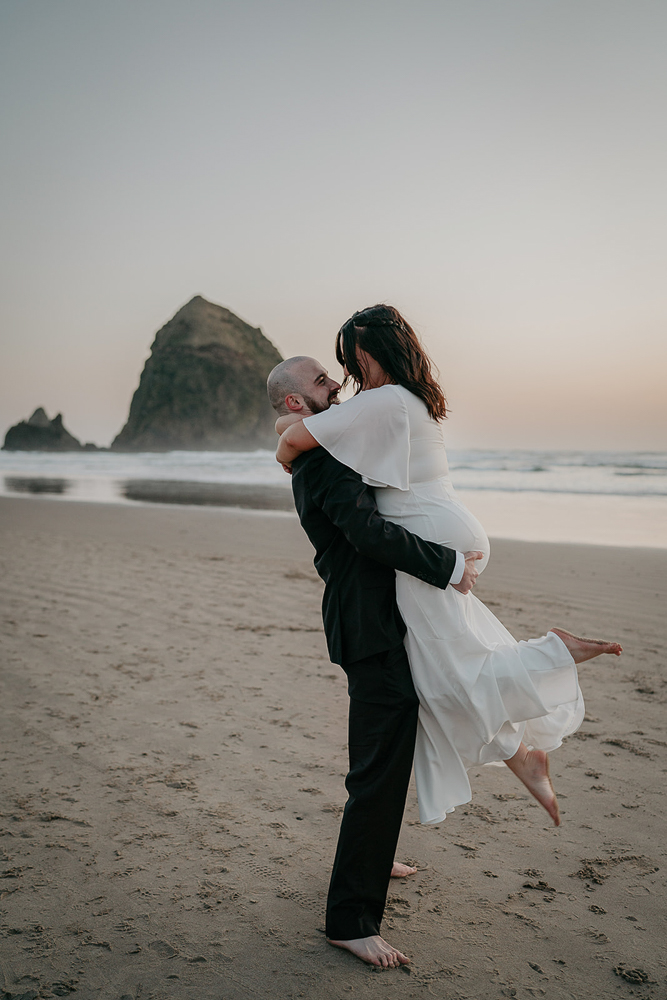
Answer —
(601, 497)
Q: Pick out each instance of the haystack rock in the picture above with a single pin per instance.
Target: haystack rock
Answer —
(204, 386)
(41, 434)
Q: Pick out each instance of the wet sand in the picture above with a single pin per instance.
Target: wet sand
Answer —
(173, 763)
(163, 491)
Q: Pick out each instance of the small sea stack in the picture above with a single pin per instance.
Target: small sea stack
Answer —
(41, 434)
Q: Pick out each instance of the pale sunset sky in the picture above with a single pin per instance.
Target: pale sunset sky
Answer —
(494, 168)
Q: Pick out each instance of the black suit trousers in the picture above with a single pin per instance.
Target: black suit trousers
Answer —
(382, 732)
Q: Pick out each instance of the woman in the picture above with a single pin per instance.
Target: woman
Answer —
(484, 697)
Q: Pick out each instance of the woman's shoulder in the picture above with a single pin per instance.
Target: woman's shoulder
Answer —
(383, 395)
(370, 433)
(414, 402)
(381, 402)
(381, 399)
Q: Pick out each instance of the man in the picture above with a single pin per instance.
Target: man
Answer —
(356, 554)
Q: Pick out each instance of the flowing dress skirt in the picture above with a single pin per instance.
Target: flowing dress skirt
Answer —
(481, 692)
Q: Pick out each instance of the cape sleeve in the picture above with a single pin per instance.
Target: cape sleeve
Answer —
(369, 433)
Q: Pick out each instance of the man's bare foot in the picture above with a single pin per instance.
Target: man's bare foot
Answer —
(373, 950)
(401, 871)
(532, 768)
(586, 649)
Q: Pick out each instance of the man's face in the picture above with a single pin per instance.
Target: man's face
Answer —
(319, 391)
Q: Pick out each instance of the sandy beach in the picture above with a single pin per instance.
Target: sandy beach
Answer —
(173, 762)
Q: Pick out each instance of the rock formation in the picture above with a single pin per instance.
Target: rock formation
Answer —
(41, 434)
(204, 386)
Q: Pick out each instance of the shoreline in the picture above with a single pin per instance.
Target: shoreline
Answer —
(506, 516)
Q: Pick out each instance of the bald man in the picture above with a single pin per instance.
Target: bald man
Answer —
(356, 554)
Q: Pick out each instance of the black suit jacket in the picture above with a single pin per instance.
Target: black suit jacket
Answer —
(356, 554)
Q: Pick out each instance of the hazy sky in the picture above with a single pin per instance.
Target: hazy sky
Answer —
(494, 168)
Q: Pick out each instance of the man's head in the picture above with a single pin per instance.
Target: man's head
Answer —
(301, 384)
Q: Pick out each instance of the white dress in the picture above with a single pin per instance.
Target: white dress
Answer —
(480, 691)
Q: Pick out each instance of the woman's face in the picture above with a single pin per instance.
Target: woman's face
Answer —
(373, 373)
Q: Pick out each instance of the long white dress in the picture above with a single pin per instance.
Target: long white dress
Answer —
(480, 691)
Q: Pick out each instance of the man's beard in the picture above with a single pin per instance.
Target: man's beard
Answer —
(315, 406)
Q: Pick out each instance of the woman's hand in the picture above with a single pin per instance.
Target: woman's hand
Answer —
(293, 442)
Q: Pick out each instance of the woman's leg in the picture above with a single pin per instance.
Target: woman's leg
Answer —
(532, 768)
(586, 649)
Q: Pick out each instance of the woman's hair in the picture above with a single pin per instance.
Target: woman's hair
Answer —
(382, 332)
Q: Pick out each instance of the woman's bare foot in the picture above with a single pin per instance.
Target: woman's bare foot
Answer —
(374, 950)
(532, 768)
(401, 871)
(586, 649)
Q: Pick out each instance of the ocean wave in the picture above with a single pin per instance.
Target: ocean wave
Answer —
(512, 471)
(544, 460)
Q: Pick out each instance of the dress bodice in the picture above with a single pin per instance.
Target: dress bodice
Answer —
(384, 434)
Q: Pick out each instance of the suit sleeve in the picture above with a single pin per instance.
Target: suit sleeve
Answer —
(350, 505)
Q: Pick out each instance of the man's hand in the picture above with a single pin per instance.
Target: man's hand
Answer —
(470, 573)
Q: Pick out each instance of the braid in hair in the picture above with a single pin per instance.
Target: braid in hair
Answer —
(382, 332)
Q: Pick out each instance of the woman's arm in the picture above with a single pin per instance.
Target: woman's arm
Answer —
(293, 442)
(285, 421)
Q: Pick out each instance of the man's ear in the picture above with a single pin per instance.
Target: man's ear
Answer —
(294, 402)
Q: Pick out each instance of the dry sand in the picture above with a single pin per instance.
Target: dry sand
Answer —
(173, 762)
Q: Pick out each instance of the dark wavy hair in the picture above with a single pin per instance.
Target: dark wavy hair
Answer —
(382, 332)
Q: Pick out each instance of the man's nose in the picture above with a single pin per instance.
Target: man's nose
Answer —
(333, 384)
